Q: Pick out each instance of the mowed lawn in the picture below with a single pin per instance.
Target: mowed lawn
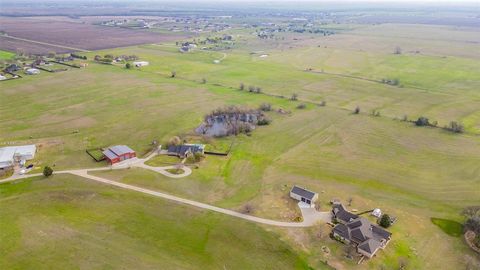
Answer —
(66, 222)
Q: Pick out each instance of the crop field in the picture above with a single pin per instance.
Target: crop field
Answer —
(70, 33)
(417, 174)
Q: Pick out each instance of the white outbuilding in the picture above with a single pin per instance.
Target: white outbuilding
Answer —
(140, 63)
(32, 71)
(377, 212)
(11, 154)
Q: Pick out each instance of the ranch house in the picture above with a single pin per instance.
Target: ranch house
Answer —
(118, 153)
(303, 195)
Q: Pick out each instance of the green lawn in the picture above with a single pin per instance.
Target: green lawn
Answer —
(450, 227)
(66, 222)
(5, 55)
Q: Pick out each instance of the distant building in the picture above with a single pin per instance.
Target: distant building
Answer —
(184, 150)
(303, 195)
(140, 63)
(11, 154)
(118, 153)
(32, 71)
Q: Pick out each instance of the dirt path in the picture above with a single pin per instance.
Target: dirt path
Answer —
(45, 43)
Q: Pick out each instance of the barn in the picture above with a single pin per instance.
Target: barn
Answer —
(118, 153)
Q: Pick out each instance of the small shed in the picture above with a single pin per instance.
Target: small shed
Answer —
(377, 212)
(118, 153)
(303, 195)
(32, 71)
(140, 63)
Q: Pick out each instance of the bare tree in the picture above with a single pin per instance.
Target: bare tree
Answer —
(357, 110)
(350, 200)
(242, 86)
(174, 74)
(397, 50)
(294, 96)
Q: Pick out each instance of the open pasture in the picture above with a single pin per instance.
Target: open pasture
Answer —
(413, 173)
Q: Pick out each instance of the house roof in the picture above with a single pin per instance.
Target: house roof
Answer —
(342, 214)
(307, 194)
(370, 246)
(7, 154)
(121, 149)
(117, 150)
(184, 148)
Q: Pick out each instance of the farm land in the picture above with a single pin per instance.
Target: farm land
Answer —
(414, 173)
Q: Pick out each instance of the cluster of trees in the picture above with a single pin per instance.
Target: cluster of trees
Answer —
(453, 126)
(394, 82)
(84, 57)
(107, 59)
(251, 88)
(472, 222)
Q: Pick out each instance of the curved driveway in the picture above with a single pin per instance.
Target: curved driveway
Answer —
(310, 215)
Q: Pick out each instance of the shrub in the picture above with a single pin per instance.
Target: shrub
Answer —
(301, 106)
(204, 81)
(264, 122)
(294, 96)
(128, 66)
(266, 107)
(242, 86)
(422, 121)
(385, 221)
(258, 90)
(456, 127)
(47, 171)
(173, 74)
(251, 88)
(357, 110)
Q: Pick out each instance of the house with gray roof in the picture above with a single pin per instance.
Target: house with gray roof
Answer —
(368, 238)
(184, 150)
(303, 195)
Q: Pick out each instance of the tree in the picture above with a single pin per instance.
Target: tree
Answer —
(258, 90)
(323, 103)
(456, 127)
(175, 140)
(350, 200)
(47, 171)
(204, 81)
(357, 110)
(266, 107)
(473, 224)
(251, 88)
(422, 121)
(385, 221)
(294, 96)
(301, 106)
(128, 66)
(397, 50)
(174, 74)
(471, 211)
(242, 86)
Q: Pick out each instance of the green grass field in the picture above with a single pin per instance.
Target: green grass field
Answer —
(5, 55)
(67, 223)
(413, 173)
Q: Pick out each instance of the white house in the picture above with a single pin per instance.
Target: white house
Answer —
(11, 154)
(32, 71)
(140, 63)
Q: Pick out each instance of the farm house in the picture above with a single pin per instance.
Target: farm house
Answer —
(118, 153)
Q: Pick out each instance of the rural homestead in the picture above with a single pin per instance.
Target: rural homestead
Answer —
(231, 134)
